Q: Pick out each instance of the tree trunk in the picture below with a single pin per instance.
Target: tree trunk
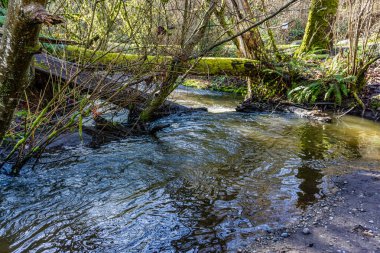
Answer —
(250, 45)
(19, 44)
(206, 66)
(177, 64)
(318, 33)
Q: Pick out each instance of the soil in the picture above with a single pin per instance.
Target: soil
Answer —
(347, 220)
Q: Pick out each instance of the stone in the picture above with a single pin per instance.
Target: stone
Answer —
(306, 231)
(285, 235)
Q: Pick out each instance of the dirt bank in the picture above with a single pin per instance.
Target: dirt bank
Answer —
(348, 220)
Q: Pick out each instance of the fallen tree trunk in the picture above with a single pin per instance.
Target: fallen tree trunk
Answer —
(113, 90)
(207, 66)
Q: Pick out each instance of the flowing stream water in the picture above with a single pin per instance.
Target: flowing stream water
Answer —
(210, 182)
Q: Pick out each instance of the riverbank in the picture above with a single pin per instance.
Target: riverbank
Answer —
(347, 220)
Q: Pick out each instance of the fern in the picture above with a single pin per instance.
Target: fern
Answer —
(331, 89)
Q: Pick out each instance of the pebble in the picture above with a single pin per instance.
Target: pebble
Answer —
(371, 221)
(306, 231)
(285, 235)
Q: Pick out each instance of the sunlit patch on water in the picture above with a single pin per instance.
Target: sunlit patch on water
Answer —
(208, 183)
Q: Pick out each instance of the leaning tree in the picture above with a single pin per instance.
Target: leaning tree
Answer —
(19, 44)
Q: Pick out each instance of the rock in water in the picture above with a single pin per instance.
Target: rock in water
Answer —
(285, 235)
(306, 231)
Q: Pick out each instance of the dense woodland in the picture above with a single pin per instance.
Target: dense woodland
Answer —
(65, 61)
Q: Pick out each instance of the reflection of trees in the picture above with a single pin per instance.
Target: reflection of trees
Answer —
(352, 144)
(313, 147)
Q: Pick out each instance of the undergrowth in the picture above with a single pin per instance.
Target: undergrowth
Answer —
(327, 80)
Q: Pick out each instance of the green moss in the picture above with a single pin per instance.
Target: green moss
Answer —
(35, 49)
(289, 46)
(204, 66)
(318, 32)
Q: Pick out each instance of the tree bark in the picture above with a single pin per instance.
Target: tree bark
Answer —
(19, 44)
(318, 33)
(250, 44)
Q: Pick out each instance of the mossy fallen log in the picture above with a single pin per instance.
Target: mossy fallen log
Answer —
(207, 66)
(112, 90)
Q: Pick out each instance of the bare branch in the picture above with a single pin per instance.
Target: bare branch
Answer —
(245, 30)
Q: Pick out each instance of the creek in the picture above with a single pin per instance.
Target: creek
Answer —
(211, 182)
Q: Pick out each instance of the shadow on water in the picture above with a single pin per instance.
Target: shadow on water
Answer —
(4, 246)
(210, 183)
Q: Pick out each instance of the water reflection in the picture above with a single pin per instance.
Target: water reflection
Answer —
(209, 183)
(313, 147)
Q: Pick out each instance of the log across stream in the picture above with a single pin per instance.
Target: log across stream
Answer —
(90, 81)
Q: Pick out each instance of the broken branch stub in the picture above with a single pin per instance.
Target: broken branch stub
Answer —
(37, 14)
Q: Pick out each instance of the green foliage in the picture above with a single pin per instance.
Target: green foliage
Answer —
(21, 113)
(297, 32)
(4, 3)
(228, 84)
(332, 88)
(375, 102)
(333, 82)
(224, 51)
(306, 93)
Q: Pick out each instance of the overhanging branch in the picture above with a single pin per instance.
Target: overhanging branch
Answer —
(204, 52)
